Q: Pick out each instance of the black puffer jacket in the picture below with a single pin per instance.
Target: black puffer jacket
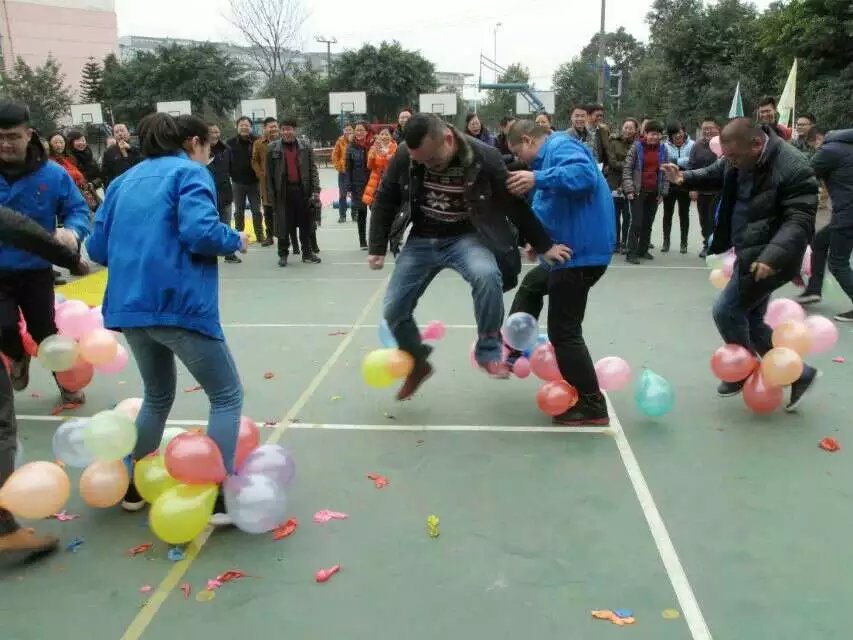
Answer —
(220, 168)
(357, 174)
(241, 160)
(834, 163)
(781, 213)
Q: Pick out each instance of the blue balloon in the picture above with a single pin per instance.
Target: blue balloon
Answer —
(520, 331)
(654, 394)
(541, 339)
(386, 338)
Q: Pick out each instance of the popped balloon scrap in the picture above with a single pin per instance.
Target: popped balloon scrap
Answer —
(135, 551)
(829, 444)
(186, 588)
(74, 545)
(379, 481)
(613, 617)
(175, 554)
(286, 529)
(670, 614)
(432, 523)
(64, 516)
(324, 515)
(323, 575)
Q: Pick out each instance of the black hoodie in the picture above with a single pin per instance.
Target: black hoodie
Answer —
(241, 160)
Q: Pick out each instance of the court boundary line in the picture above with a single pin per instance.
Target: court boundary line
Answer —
(690, 609)
(641, 267)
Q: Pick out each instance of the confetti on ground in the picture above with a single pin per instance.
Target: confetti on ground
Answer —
(64, 516)
(269, 375)
(192, 389)
(294, 419)
(186, 588)
(213, 584)
(839, 359)
(286, 529)
(324, 515)
(74, 545)
(432, 523)
(323, 575)
(205, 596)
(670, 614)
(338, 333)
(378, 480)
(146, 588)
(624, 613)
(176, 554)
(135, 551)
(70, 406)
(829, 444)
(35, 394)
(607, 614)
(336, 398)
(389, 416)
(270, 423)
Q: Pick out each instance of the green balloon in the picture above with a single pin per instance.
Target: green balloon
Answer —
(58, 353)
(654, 394)
(110, 435)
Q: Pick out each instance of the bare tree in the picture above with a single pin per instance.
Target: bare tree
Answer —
(272, 29)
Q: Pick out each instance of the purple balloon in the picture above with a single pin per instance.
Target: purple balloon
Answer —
(271, 460)
(255, 502)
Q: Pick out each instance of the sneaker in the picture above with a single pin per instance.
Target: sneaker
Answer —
(590, 411)
(801, 386)
(132, 501)
(282, 261)
(728, 389)
(364, 247)
(647, 256)
(342, 220)
(72, 397)
(220, 517)
(683, 249)
(703, 254)
(233, 259)
(632, 259)
(665, 247)
(20, 374)
(416, 378)
(310, 258)
(268, 242)
(28, 541)
(809, 298)
(844, 317)
(296, 251)
(497, 369)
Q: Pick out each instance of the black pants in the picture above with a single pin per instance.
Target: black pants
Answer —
(705, 204)
(297, 218)
(252, 193)
(623, 220)
(568, 291)
(32, 293)
(359, 213)
(836, 246)
(269, 221)
(681, 198)
(644, 206)
(530, 297)
(8, 443)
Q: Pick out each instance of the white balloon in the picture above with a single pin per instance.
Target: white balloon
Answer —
(255, 502)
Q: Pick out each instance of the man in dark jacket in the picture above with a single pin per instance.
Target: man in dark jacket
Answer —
(294, 187)
(243, 179)
(701, 156)
(219, 166)
(617, 150)
(767, 213)
(452, 189)
(119, 157)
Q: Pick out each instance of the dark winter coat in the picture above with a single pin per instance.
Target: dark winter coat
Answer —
(86, 161)
(833, 163)
(701, 156)
(241, 160)
(113, 164)
(309, 176)
(356, 172)
(496, 214)
(616, 151)
(220, 168)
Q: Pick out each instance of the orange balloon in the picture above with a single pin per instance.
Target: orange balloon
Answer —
(556, 397)
(104, 483)
(36, 490)
(400, 363)
(794, 335)
(718, 278)
(781, 366)
(99, 346)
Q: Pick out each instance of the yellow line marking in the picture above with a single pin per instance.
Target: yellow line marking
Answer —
(140, 623)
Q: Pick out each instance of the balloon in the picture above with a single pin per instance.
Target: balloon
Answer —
(97, 317)
(435, 330)
(69, 443)
(400, 363)
(110, 435)
(556, 397)
(76, 322)
(248, 439)
(104, 483)
(715, 261)
(386, 338)
(255, 502)
(130, 407)
(182, 512)
(117, 364)
(716, 147)
(541, 339)
(782, 309)
(271, 460)
(169, 434)
(806, 268)
(718, 279)
(543, 363)
(613, 373)
(520, 331)
(58, 353)
(521, 368)
(794, 335)
(824, 333)
(781, 366)
(374, 369)
(151, 478)
(654, 394)
(36, 490)
(194, 458)
(760, 396)
(733, 363)
(99, 346)
(729, 264)
(77, 377)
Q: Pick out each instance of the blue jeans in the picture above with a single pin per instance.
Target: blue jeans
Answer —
(342, 195)
(210, 363)
(419, 262)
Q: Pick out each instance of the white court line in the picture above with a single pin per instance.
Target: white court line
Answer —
(311, 325)
(642, 267)
(674, 569)
(286, 280)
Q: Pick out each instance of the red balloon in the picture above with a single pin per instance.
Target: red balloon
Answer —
(556, 397)
(543, 363)
(760, 396)
(194, 458)
(248, 440)
(77, 377)
(733, 363)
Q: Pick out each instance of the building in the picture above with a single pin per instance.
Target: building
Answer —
(71, 31)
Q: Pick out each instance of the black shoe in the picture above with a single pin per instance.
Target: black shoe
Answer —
(844, 317)
(632, 259)
(647, 256)
(590, 411)
(311, 259)
(342, 219)
(282, 261)
(315, 249)
(268, 242)
(703, 254)
(665, 247)
(728, 389)
(132, 501)
(296, 251)
(809, 298)
(233, 259)
(801, 386)
(683, 248)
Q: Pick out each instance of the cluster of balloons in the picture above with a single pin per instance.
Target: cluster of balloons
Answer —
(722, 267)
(794, 336)
(382, 367)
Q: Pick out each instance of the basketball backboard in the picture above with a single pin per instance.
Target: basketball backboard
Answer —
(523, 108)
(82, 114)
(347, 102)
(440, 103)
(175, 108)
(259, 109)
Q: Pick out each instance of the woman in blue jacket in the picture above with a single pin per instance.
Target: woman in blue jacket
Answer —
(678, 149)
(159, 233)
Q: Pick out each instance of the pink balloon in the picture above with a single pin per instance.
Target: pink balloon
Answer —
(194, 458)
(434, 330)
(117, 364)
(75, 322)
(248, 439)
(613, 373)
(98, 346)
(77, 377)
(781, 310)
(729, 264)
(543, 363)
(716, 147)
(521, 368)
(97, 317)
(806, 269)
(824, 333)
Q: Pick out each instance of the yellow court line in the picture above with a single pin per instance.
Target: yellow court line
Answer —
(140, 623)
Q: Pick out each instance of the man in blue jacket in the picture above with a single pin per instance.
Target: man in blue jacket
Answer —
(44, 191)
(573, 203)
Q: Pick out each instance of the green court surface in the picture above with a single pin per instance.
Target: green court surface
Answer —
(740, 524)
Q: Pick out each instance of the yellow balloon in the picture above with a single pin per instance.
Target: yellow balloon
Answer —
(718, 278)
(151, 478)
(182, 512)
(781, 366)
(375, 368)
(36, 490)
(104, 483)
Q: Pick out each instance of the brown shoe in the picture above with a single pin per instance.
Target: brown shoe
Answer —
(29, 541)
(20, 374)
(419, 374)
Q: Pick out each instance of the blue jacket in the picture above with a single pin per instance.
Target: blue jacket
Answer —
(158, 232)
(46, 194)
(680, 155)
(573, 201)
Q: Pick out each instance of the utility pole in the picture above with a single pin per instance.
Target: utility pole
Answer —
(601, 57)
(328, 42)
(498, 25)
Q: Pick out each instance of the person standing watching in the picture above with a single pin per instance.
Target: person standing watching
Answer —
(243, 179)
(259, 166)
(120, 156)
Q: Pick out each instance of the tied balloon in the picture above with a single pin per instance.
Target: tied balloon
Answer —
(654, 394)
(382, 367)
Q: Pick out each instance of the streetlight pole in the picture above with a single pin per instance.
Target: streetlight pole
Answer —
(498, 25)
(328, 42)
(601, 56)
